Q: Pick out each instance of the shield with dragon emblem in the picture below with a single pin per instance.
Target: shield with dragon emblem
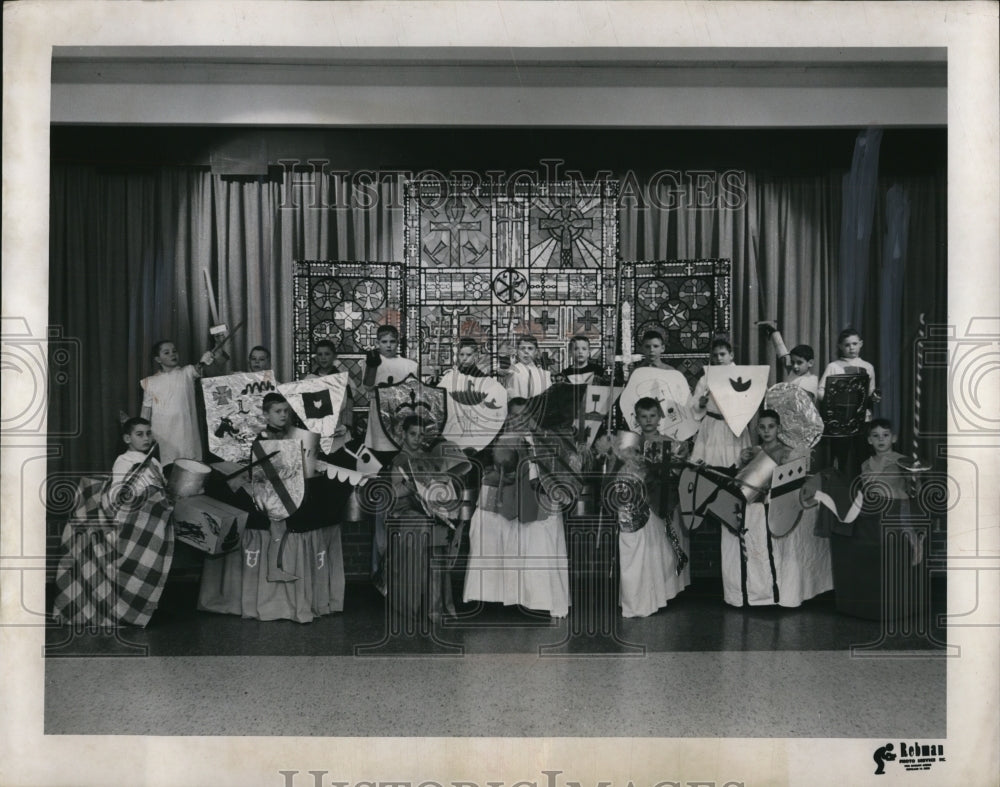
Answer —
(395, 403)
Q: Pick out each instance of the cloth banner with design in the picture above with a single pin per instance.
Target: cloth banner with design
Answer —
(477, 409)
(319, 402)
(738, 392)
(233, 412)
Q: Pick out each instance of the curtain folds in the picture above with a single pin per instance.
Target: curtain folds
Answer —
(128, 250)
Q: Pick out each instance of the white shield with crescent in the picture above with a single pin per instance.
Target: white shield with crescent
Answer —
(738, 392)
(279, 482)
(670, 388)
(477, 409)
(784, 505)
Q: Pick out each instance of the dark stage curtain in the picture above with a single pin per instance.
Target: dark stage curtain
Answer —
(128, 248)
(127, 251)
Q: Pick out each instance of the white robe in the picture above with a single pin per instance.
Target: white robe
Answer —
(515, 563)
(170, 399)
(649, 577)
(785, 571)
(527, 381)
(715, 444)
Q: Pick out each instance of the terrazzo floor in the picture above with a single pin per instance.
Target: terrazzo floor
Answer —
(696, 668)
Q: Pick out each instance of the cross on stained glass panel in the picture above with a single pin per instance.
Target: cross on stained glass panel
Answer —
(545, 266)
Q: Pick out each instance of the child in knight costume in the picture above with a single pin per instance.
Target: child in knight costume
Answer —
(652, 346)
(797, 362)
(652, 549)
(517, 545)
(845, 436)
(424, 499)
(715, 444)
(759, 568)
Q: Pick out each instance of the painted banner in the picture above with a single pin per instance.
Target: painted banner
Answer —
(477, 409)
(670, 388)
(233, 412)
(319, 402)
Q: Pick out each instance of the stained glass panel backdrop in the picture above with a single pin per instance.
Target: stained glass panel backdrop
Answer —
(495, 261)
(688, 301)
(344, 302)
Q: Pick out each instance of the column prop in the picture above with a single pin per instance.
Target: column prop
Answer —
(914, 465)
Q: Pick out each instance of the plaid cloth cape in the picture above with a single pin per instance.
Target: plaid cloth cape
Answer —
(116, 557)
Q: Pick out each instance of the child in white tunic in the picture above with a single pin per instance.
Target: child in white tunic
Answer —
(526, 378)
(715, 445)
(382, 366)
(653, 557)
(168, 403)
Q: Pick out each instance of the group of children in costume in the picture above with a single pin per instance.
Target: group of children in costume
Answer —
(517, 540)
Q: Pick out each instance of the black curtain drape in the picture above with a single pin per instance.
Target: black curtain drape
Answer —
(128, 250)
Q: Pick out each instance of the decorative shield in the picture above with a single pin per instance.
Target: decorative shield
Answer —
(703, 492)
(279, 483)
(844, 403)
(785, 501)
(670, 389)
(434, 478)
(477, 409)
(597, 401)
(801, 425)
(395, 403)
(233, 412)
(728, 507)
(738, 392)
(319, 402)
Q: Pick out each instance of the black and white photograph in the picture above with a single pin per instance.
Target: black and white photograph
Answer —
(500, 393)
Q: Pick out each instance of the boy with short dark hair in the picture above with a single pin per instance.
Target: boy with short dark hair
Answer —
(652, 344)
(277, 414)
(134, 467)
(527, 378)
(798, 361)
(383, 366)
(582, 367)
(849, 344)
(468, 357)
